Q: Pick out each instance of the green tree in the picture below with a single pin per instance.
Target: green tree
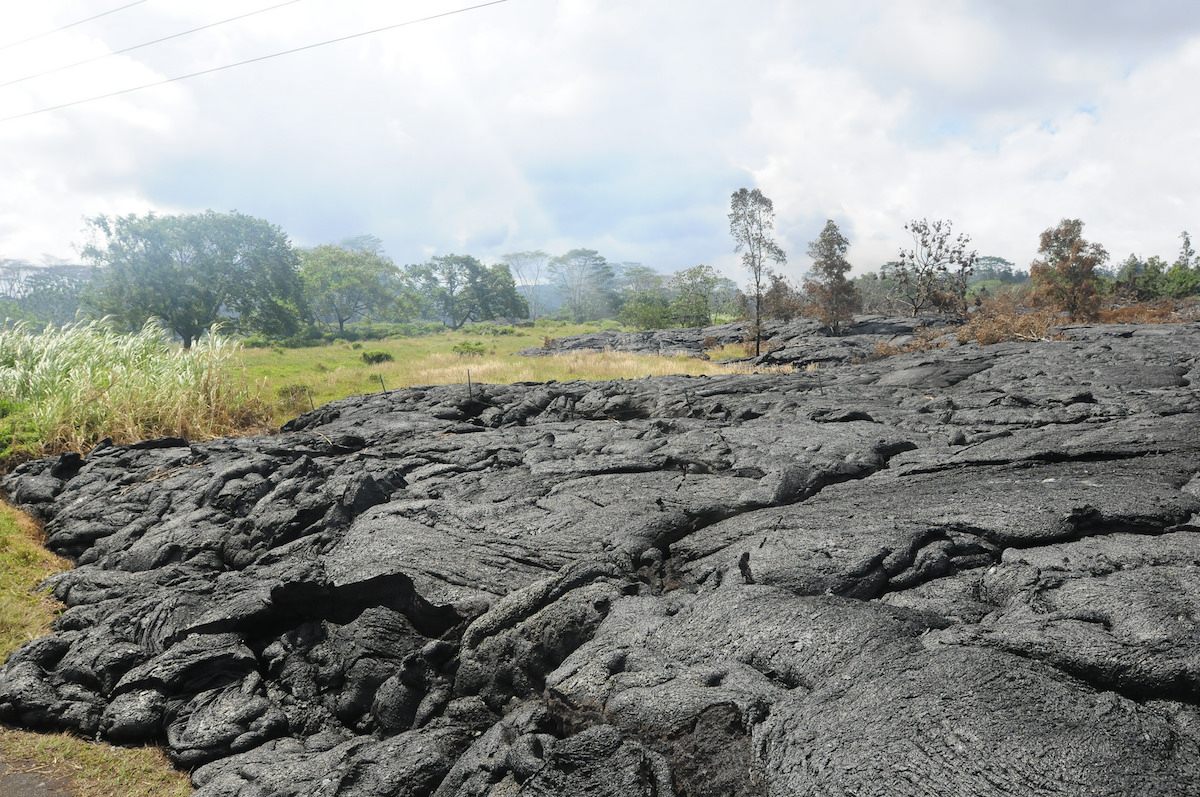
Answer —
(877, 290)
(192, 271)
(54, 294)
(1141, 280)
(1187, 255)
(935, 271)
(835, 298)
(458, 289)
(693, 289)
(752, 225)
(1065, 275)
(497, 295)
(634, 278)
(1179, 282)
(646, 311)
(1183, 278)
(51, 293)
(642, 296)
(727, 298)
(343, 285)
(370, 244)
(990, 268)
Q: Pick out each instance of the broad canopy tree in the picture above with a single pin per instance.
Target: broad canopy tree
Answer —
(342, 285)
(458, 289)
(45, 294)
(192, 271)
(652, 300)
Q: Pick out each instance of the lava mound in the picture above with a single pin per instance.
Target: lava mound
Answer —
(967, 571)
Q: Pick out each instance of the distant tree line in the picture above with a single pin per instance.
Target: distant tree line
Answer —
(941, 273)
(50, 293)
(582, 285)
(194, 270)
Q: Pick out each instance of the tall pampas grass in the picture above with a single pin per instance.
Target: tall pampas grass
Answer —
(65, 388)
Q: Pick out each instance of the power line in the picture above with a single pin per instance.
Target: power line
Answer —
(255, 60)
(148, 44)
(72, 24)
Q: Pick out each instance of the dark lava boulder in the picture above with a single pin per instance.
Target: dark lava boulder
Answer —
(968, 571)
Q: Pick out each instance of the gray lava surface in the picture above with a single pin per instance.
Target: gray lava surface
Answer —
(800, 342)
(969, 571)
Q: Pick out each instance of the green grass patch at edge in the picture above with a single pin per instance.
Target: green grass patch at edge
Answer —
(89, 769)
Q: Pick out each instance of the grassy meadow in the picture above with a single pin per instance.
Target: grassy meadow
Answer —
(66, 388)
(287, 378)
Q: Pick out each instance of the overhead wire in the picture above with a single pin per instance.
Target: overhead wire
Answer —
(124, 50)
(254, 60)
(43, 35)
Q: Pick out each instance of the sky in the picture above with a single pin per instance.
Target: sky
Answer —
(616, 125)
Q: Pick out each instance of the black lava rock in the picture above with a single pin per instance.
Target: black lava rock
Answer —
(968, 571)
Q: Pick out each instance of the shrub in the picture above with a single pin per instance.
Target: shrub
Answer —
(1160, 312)
(375, 357)
(469, 349)
(487, 328)
(256, 342)
(294, 396)
(301, 341)
(1003, 318)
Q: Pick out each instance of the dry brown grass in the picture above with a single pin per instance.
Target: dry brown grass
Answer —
(730, 351)
(1004, 318)
(1160, 312)
(737, 351)
(924, 339)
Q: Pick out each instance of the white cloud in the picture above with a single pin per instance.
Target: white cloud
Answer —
(1124, 167)
(618, 125)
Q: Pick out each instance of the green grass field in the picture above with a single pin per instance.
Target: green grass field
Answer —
(289, 378)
